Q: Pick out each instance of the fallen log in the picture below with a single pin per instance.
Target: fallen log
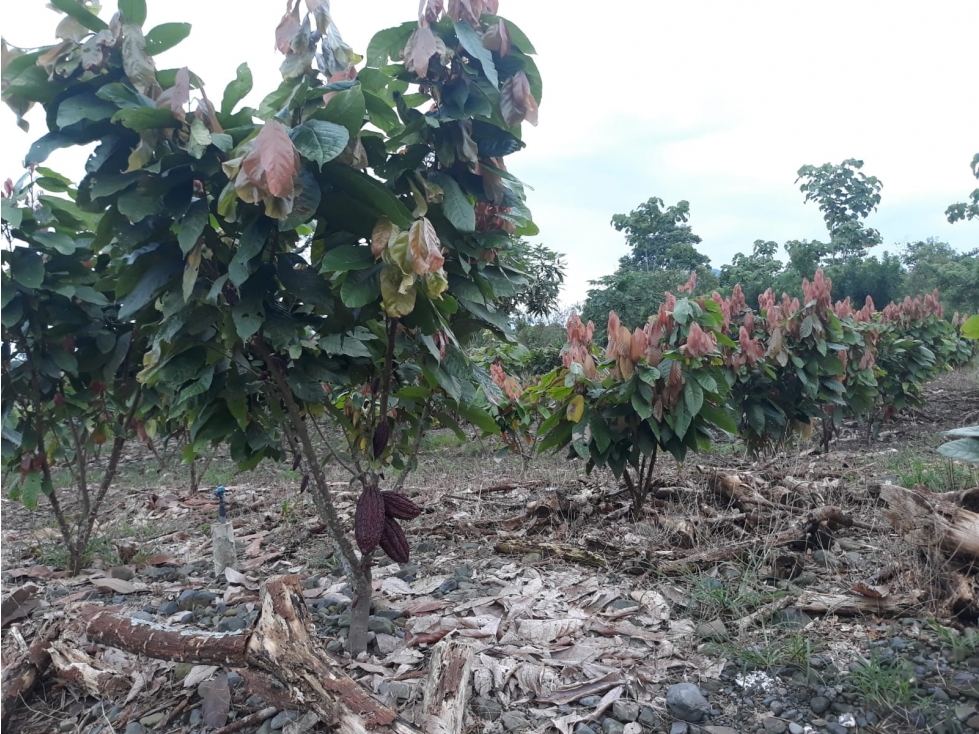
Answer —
(447, 688)
(282, 643)
(812, 529)
(852, 605)
(930, 520)
(20, 676)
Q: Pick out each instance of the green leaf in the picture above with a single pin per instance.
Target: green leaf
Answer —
(65, 361)
(719, 417)
(133, 11)
(388, 43)
(251, 243)
(192, 225)
(346, 108)
(145, 118)
(756, 417)
(642, 407)
(12, 214)
(455, 205)
(45, 145)
(27, 267)
(682, 311)
(56, 241)
(346, 257)
(370, 191)
(965, 449)
(149, 285)
(361, 287)
(83, 107)
(248, 317)
(970, 329)
(81, 14)
(558, 437)
(236, 90)
(319, 141)
(30, 489)
(479, 418)
(693, 396)
(968, 432)
(165, 36)
(470, 40)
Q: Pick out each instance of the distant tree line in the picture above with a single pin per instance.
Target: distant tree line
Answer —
(663, 252)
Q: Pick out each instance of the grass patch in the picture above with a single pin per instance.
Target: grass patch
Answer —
(936, 472)
(884, 684)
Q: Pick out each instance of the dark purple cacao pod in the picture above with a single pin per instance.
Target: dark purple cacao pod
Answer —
(380, 438)
(296, 461)
(369, 519)
(394, 542)
(304, 483)
(398, 506)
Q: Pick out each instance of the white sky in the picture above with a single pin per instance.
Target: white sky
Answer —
(717, 103)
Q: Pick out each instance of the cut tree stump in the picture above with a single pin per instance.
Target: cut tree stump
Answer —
(282, 644)
(937, 521)
(447, 688)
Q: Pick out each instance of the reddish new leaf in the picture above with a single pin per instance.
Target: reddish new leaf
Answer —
(288, 27)
(273, 162)
(419, 50)
(516, 101)
(177, 96)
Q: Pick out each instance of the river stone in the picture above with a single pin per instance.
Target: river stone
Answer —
(685, 701)
(624, 710)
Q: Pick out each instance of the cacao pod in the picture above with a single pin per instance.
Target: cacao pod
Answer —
(304, 483)
(380, 438)
(394, 542)
(369, 519)
(295, 461)
(398, 506)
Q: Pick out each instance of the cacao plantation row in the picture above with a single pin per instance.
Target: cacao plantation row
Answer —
(706, 366)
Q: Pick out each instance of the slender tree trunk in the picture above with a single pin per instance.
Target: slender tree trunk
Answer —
(323, 499)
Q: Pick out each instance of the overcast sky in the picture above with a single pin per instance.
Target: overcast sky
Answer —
(716, 103)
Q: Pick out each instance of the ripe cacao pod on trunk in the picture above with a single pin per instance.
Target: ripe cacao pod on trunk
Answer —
(380, 438)
(394, 542)
(369, 519)
(398, 506)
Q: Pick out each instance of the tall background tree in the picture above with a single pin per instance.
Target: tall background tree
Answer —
(663, 254)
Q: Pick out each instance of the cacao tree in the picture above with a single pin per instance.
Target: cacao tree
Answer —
(659, 388)
(308, 270)
(70, 357)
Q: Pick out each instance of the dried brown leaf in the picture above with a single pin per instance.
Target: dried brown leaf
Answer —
(217, 701)
(18, 605)
(117, 585)
(424, 247)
